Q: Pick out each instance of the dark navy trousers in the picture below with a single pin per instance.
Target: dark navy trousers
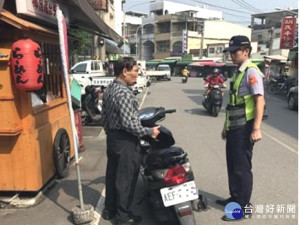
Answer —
(239, 166)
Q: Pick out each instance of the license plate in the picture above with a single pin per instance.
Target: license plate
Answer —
(101, 82)
(179, 193)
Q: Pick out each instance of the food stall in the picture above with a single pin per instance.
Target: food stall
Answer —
(35, 129)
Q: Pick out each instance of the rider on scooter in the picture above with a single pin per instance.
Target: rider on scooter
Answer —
(185, 72)
(215, 78)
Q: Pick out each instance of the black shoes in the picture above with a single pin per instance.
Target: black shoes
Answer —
(224, 202)
(108, 214)
(134, 220)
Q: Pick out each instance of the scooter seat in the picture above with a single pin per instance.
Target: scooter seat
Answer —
(162, 158)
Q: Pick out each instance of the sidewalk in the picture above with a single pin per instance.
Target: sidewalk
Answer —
(61, 196)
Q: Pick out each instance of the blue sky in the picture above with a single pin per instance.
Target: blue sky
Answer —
(237, 11)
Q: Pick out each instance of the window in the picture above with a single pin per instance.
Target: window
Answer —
(81, 68)
(212, 50)
(259, 37)
(52, 70)
(95, 65)
(219, 49)
(163, 46)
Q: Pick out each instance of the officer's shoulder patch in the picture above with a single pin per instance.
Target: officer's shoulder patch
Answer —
(252, 79)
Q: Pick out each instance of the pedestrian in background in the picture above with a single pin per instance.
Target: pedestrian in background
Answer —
(244, 115)
(123, 130)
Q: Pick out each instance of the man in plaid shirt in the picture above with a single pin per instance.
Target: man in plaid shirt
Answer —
(124, 130)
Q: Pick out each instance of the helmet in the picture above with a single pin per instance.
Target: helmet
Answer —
(215, 71)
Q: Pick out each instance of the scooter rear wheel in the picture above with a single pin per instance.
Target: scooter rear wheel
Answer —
(273, 88)
(85, 119)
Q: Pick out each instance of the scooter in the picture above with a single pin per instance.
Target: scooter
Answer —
(213, 100)
(280, 84)
(91, 105)
(184, 79)
(168, 175)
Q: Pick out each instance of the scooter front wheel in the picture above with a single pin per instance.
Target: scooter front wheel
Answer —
(215, 111)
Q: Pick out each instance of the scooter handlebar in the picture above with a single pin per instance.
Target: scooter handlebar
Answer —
(170, 111)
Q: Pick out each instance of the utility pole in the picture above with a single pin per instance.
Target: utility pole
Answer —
(137, 40)
(271, 31)
(201, 31)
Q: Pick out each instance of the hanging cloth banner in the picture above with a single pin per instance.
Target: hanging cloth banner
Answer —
(63, 44)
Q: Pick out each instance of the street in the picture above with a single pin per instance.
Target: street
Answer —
(274, 158)
(274, 163)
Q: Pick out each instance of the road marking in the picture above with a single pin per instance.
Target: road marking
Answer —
(145, 95)
(100, 204)
(280, 142)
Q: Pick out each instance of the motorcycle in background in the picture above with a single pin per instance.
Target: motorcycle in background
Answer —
(184, 79)
(91, 104)
(280, 84)
(168, 175)
(213, 99)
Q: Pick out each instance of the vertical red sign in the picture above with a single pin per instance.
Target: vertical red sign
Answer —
(287, 36)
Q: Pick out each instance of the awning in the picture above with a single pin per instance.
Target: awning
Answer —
(83, 16)
(22, 24)
(169, 60)
(112, 47)
(276, 57)
(184, 62)
(207, 63)
(152, 63)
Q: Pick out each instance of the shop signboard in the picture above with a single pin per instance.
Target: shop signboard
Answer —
(287, 35)
(41, 9)
(184, 41)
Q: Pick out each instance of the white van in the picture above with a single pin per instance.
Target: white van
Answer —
(85, 71)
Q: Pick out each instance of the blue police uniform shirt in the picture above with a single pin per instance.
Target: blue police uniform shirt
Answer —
(252, 82)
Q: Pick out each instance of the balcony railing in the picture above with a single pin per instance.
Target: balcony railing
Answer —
(177, 33)
(162, 36)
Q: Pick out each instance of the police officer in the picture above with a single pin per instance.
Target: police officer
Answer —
(244, 115)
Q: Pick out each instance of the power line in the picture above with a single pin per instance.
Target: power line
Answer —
(245, 5)
(249, 17)
(258, 10)
(216, 6)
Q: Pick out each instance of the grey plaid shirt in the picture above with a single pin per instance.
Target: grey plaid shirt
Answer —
(119, 110)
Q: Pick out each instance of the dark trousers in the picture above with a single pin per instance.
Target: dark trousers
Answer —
(239, 155)
(121, 173)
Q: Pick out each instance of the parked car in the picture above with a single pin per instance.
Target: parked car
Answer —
(292, 97)
(85, 71)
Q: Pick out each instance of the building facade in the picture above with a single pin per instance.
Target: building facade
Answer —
(174, 29)
(266, 30)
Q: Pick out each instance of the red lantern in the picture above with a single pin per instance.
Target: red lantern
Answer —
(27, 65)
